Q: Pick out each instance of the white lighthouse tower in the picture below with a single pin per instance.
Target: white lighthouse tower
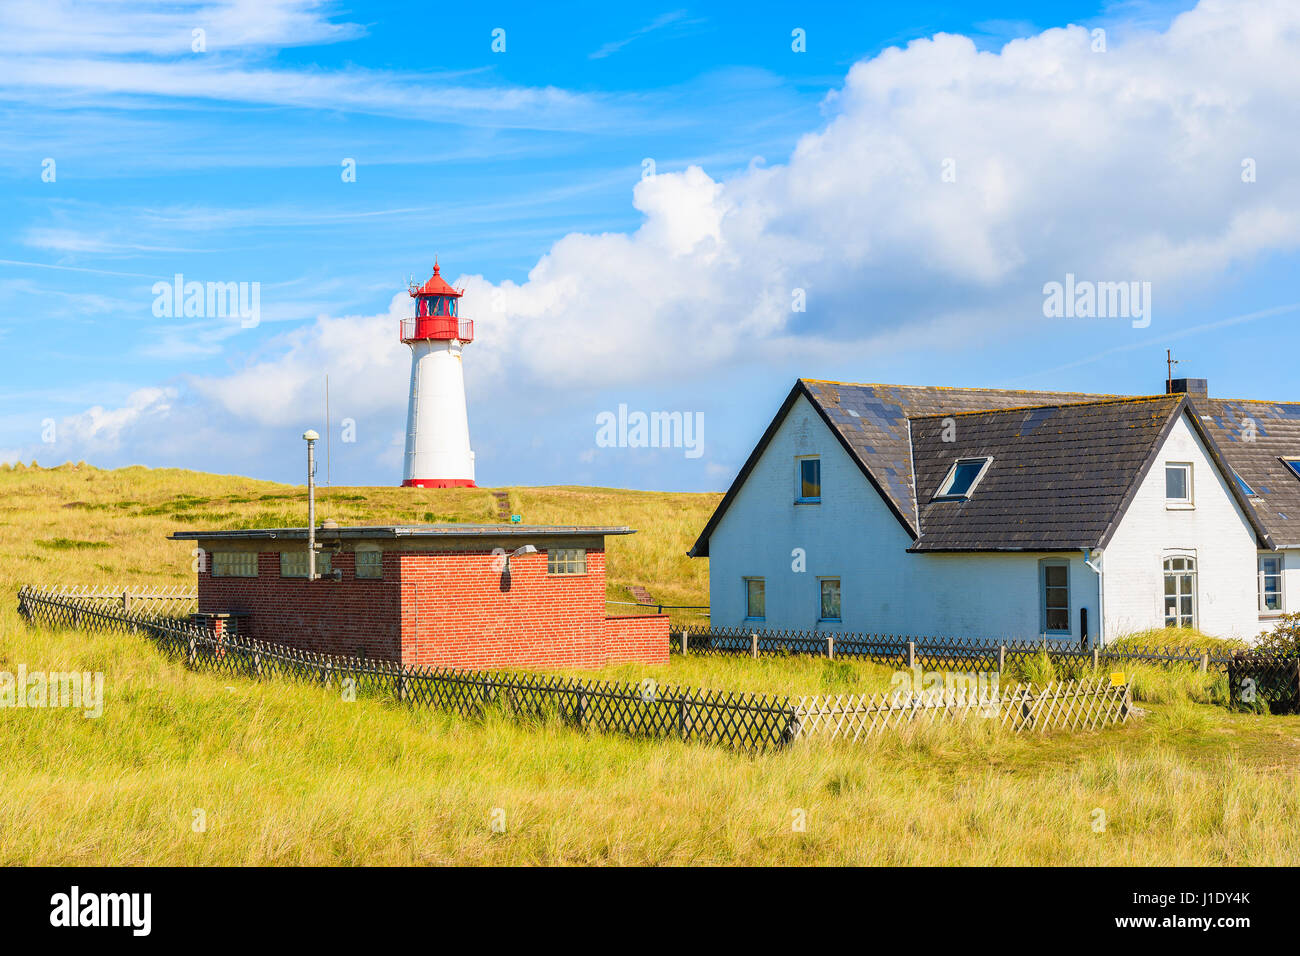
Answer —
(437, 427)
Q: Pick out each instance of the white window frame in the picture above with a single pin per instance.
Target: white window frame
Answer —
(1178, 595)
(762, 581)
(234, 564)
(945, 486)
(1068, 630)
(799, 498)
(821, 583)
(1280, 558)
(1181, 504)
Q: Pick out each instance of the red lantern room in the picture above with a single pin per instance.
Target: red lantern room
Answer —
(437, 313)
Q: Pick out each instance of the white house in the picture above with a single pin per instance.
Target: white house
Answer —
(985, 513)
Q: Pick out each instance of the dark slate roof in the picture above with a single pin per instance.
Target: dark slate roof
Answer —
(1257, 457)
(1059, 478)
(872, 424)
(873, 421)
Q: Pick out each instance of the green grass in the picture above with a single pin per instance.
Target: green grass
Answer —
(291, 774)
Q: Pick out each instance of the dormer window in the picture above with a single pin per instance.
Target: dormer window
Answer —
(962, 478)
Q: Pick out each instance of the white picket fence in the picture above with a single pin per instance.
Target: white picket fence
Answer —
(1063, 705)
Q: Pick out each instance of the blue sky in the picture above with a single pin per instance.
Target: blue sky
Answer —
(915, 175)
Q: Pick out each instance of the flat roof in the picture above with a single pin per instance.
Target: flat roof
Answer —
(407, 531)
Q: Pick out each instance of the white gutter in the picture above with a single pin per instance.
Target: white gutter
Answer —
(1101, 595)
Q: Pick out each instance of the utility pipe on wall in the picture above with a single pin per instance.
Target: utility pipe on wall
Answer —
(1101, 593)
(310, 437)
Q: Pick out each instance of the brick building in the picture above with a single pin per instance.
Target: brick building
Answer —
(472, 596)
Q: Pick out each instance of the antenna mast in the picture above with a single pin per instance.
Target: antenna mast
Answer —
(327, 429)
(1171, 362)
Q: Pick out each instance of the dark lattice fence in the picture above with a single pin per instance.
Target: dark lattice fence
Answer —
(1264, 683)
(1069, 662)
(751, 722)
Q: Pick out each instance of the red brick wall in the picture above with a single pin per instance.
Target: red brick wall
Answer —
(456, 615)
(442, 609)
(331, 617)
(637, 637)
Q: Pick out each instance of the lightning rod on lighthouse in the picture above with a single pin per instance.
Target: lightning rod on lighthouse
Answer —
(437, 425)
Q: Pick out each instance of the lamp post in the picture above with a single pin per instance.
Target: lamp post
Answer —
(310, 437)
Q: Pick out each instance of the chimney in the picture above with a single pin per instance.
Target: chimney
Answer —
(1197, 387)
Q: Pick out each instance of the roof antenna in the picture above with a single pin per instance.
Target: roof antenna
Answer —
(1171, 362)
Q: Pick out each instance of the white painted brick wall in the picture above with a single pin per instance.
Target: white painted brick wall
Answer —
(852, 534)
(1215, 531)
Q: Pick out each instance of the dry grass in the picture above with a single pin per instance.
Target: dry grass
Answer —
(83, 525)
(290, 774)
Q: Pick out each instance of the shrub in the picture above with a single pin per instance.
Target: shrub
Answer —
(1284, 639)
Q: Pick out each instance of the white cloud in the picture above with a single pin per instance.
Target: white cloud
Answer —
(101, 429)
(1118, 165)
(161, 28)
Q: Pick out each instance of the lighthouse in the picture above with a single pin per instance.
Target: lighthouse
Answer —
(437, 426)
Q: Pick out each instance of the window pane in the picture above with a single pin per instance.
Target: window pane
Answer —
(234, 564)
(1176, 483)
(810, 478)
(964, 477)
(755, 603)
(1056, 575)
(369, 564)
(1058, 619)
(830, 600)
(293, 564)
(1294, 465)
(566, 561)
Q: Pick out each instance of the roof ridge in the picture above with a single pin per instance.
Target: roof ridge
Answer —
(1021, 408)
(956, 388)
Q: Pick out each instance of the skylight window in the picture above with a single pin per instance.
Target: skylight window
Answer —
(1293, 464)
(963, 477)
(1246, 490)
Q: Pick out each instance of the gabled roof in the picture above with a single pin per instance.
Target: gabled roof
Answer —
(871, 423)
(888, 430)
(873, 420)
(1059, 479)
(1257, 456)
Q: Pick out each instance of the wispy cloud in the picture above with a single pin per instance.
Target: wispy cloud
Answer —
(677, 17)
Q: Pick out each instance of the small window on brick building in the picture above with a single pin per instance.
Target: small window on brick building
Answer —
(566, 561)
(234, 564)
(370, 564)
(293, 564)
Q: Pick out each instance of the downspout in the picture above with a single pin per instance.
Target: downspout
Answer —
(1101, 594)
